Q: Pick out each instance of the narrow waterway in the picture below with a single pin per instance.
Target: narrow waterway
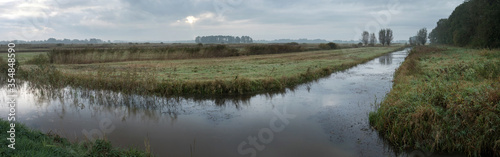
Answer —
(328, 117)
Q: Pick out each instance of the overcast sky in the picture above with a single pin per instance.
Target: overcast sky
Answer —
(169, 20)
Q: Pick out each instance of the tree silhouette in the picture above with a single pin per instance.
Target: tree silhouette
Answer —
(381, 36)
(422, 36)
(388, 36)
(365, 36)
(373, 39)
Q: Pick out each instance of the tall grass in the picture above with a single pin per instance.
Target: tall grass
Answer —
(445, 100)
(133, 53)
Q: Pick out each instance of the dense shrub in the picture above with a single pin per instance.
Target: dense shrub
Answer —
(219, 51)
(272, 49)
(328, 46)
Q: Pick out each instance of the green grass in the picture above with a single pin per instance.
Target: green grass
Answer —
(444, 99)
(22, 57)
(35, 143)
(206, 76)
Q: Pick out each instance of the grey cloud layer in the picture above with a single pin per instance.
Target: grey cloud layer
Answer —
(165, 19)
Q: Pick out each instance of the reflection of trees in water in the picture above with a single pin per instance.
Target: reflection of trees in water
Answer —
(125, 106)
(385, 60)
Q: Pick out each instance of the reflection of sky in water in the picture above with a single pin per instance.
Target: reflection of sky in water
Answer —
(331, 116)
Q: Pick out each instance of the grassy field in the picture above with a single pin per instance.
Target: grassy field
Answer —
(444, 99)
(255, 67)
(35, 143)
(207, 76)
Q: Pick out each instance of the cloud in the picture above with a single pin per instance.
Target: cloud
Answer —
(182, 20)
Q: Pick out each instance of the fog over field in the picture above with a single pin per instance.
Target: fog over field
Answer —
(150, 20)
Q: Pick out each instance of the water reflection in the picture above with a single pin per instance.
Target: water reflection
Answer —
(385, 60)
(103, 102)
(331, 116)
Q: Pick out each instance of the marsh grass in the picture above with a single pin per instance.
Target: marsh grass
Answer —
(445, 100)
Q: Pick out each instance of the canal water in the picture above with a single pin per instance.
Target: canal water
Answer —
(328, 117)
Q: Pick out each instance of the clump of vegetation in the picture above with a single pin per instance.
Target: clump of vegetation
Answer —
(35, 143)
(219, 51)
(39, 59)
(272, 49)
(328, 46)
(444, 100)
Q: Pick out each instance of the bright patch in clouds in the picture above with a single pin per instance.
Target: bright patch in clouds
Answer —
(191, 19)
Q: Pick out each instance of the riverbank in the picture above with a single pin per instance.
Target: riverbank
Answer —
(206, 76)
(444, 99)
(30, 142)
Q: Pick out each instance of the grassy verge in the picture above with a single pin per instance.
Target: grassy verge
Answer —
(444, 99)
(206, 76)
(35, 143)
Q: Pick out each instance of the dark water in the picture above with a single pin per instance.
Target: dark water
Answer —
(324, 118)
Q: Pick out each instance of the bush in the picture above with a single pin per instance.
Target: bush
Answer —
(220, 51)
(333, 45)
(272, 49)
(323, 46)
(328, 46)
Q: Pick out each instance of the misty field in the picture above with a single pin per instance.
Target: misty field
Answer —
(241, 73)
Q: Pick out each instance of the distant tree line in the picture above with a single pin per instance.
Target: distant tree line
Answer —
(218, 39)
(384, 37)
(58, 41)
(474, 23)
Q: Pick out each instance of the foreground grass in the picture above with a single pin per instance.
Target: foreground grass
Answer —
(207, 76)
(35, 143)
(446, 100)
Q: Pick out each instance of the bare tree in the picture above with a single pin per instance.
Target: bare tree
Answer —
(365, 37)
(388, 37)
(422, 36)
(381, 36)
(373, 39)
